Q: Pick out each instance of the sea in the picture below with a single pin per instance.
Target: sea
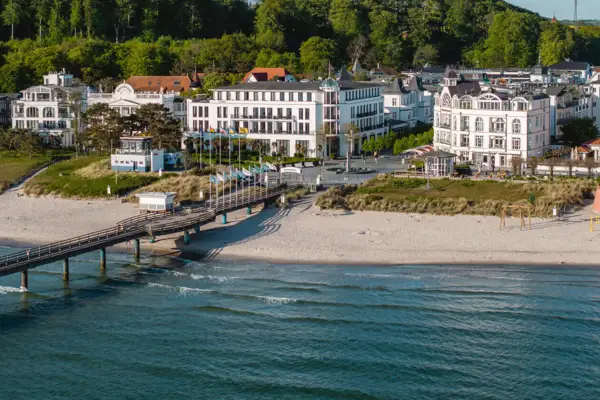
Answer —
(170, 328)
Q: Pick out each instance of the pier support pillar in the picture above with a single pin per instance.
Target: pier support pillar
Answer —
(224, 219)
(186, 237)
(103, 259)
(197, 229)
(65, 276)
(249, 211)
(136, 249)
(24, 281)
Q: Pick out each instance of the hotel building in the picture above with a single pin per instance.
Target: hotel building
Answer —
(286, 116)
(51, 109)
(489, 128)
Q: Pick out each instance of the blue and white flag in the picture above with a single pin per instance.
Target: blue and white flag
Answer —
(214, 180)
(220, 177)
(226, 177)
(271, 166)
(246, 172)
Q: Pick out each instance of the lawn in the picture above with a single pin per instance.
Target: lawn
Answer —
(456, 196)
(15, 166)
(86, 177)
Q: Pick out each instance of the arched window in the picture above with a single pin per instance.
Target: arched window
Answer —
(488, 102)
(446, 101)
(479, 124)
(498, 125)
(516, 126)
(454, 122)
(466, 103)
(48, 112)
(455, 102)
(33, 112)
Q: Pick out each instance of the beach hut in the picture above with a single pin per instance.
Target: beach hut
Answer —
(439, 163)
(156, 201)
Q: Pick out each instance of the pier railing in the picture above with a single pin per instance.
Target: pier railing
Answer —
(138, 226)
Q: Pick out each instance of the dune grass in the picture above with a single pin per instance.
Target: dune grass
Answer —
(450, 197)
(86, 177)
(15, 166)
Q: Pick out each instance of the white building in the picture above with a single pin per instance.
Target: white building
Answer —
(411, 104)
(51, 109)
(139, 90)
(136, 154)
(287, 116)
(489, 128)
(567, 103)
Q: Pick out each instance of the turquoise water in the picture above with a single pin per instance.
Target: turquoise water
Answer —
(175, 329)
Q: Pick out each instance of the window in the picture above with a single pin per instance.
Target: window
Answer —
(228, 95)
(219, 96)
(300, 96)
(464, 123)
(301, 113)
(306, 113)
(516, 144)
(537, 121)
(33, 112)
(453, 121)
(218, 112)
(479, 124)
(516, 126)
(497, 125)
(496, 143)
(205, 112)
(489, 102)
(62, 124)
(478, 141)
(281, 96)
(237, 95)
(224, 112)
(194, 112)
(466, 103)
(394, 102)
(308, 96)
(255, 96)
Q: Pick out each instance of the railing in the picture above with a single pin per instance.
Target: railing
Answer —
(366, 114)
(136, 227)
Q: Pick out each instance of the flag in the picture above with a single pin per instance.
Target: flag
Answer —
(246, 172)
(220, 177)
(214, 180)
(240, 175)
(271, 166)
(243, 130)
(232, 131)
(226, 177)
(211, 130)
(222, 130)
(201, 131)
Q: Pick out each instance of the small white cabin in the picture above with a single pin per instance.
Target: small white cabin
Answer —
(156, 201)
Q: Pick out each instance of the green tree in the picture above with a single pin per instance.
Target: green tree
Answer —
(512, 41)
(556, 43)
(577, 131)
(12, 14)
(76, 17)
(316, 52)
(157, 121)
(104, 126)
(425, 54)
(344, 16)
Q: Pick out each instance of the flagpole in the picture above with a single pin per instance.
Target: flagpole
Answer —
(210, 191)
(229, 147)
(210, 149)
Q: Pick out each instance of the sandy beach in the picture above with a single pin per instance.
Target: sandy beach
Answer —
(305, 234)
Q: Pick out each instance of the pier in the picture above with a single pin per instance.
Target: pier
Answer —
(150, 225)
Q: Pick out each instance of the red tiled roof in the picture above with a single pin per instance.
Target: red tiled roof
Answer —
(155, 83)
(270, 73)
(595, 142)
(583, 149)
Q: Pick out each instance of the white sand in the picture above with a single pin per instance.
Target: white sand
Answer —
(48, 219)
(305, 234)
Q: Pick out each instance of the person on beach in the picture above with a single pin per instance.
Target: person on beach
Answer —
(28, 252)
(376, 156)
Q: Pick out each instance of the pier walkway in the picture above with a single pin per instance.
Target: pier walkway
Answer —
(181, 219)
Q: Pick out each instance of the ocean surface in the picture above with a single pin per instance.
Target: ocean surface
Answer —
(177, 329)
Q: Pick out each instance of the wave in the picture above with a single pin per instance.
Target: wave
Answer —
(225, 310)
(9, 289)
(219, 279)
(298, 289)
(181, 289)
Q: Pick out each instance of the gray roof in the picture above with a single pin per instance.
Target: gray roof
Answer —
(570, 65)
(344, 76)
(416, 84)
(438, 154)
(465, 87)
(451, 73)
(395, 88)
(555, 90)
(295, 86)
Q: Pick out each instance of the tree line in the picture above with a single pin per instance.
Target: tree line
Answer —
(103, 40)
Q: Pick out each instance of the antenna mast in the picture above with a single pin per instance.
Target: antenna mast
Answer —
(575, 19)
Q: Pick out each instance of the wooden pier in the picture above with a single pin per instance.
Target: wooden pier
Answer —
(181, 219)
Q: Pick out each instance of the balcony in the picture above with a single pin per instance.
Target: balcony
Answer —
(367, 114)
(445, 125)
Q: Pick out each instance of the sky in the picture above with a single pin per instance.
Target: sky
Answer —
(586, 9)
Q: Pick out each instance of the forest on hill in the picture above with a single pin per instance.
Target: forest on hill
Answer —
(100, 40)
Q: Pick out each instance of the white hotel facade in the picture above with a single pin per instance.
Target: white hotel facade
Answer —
(488, 128)
(284, 115)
